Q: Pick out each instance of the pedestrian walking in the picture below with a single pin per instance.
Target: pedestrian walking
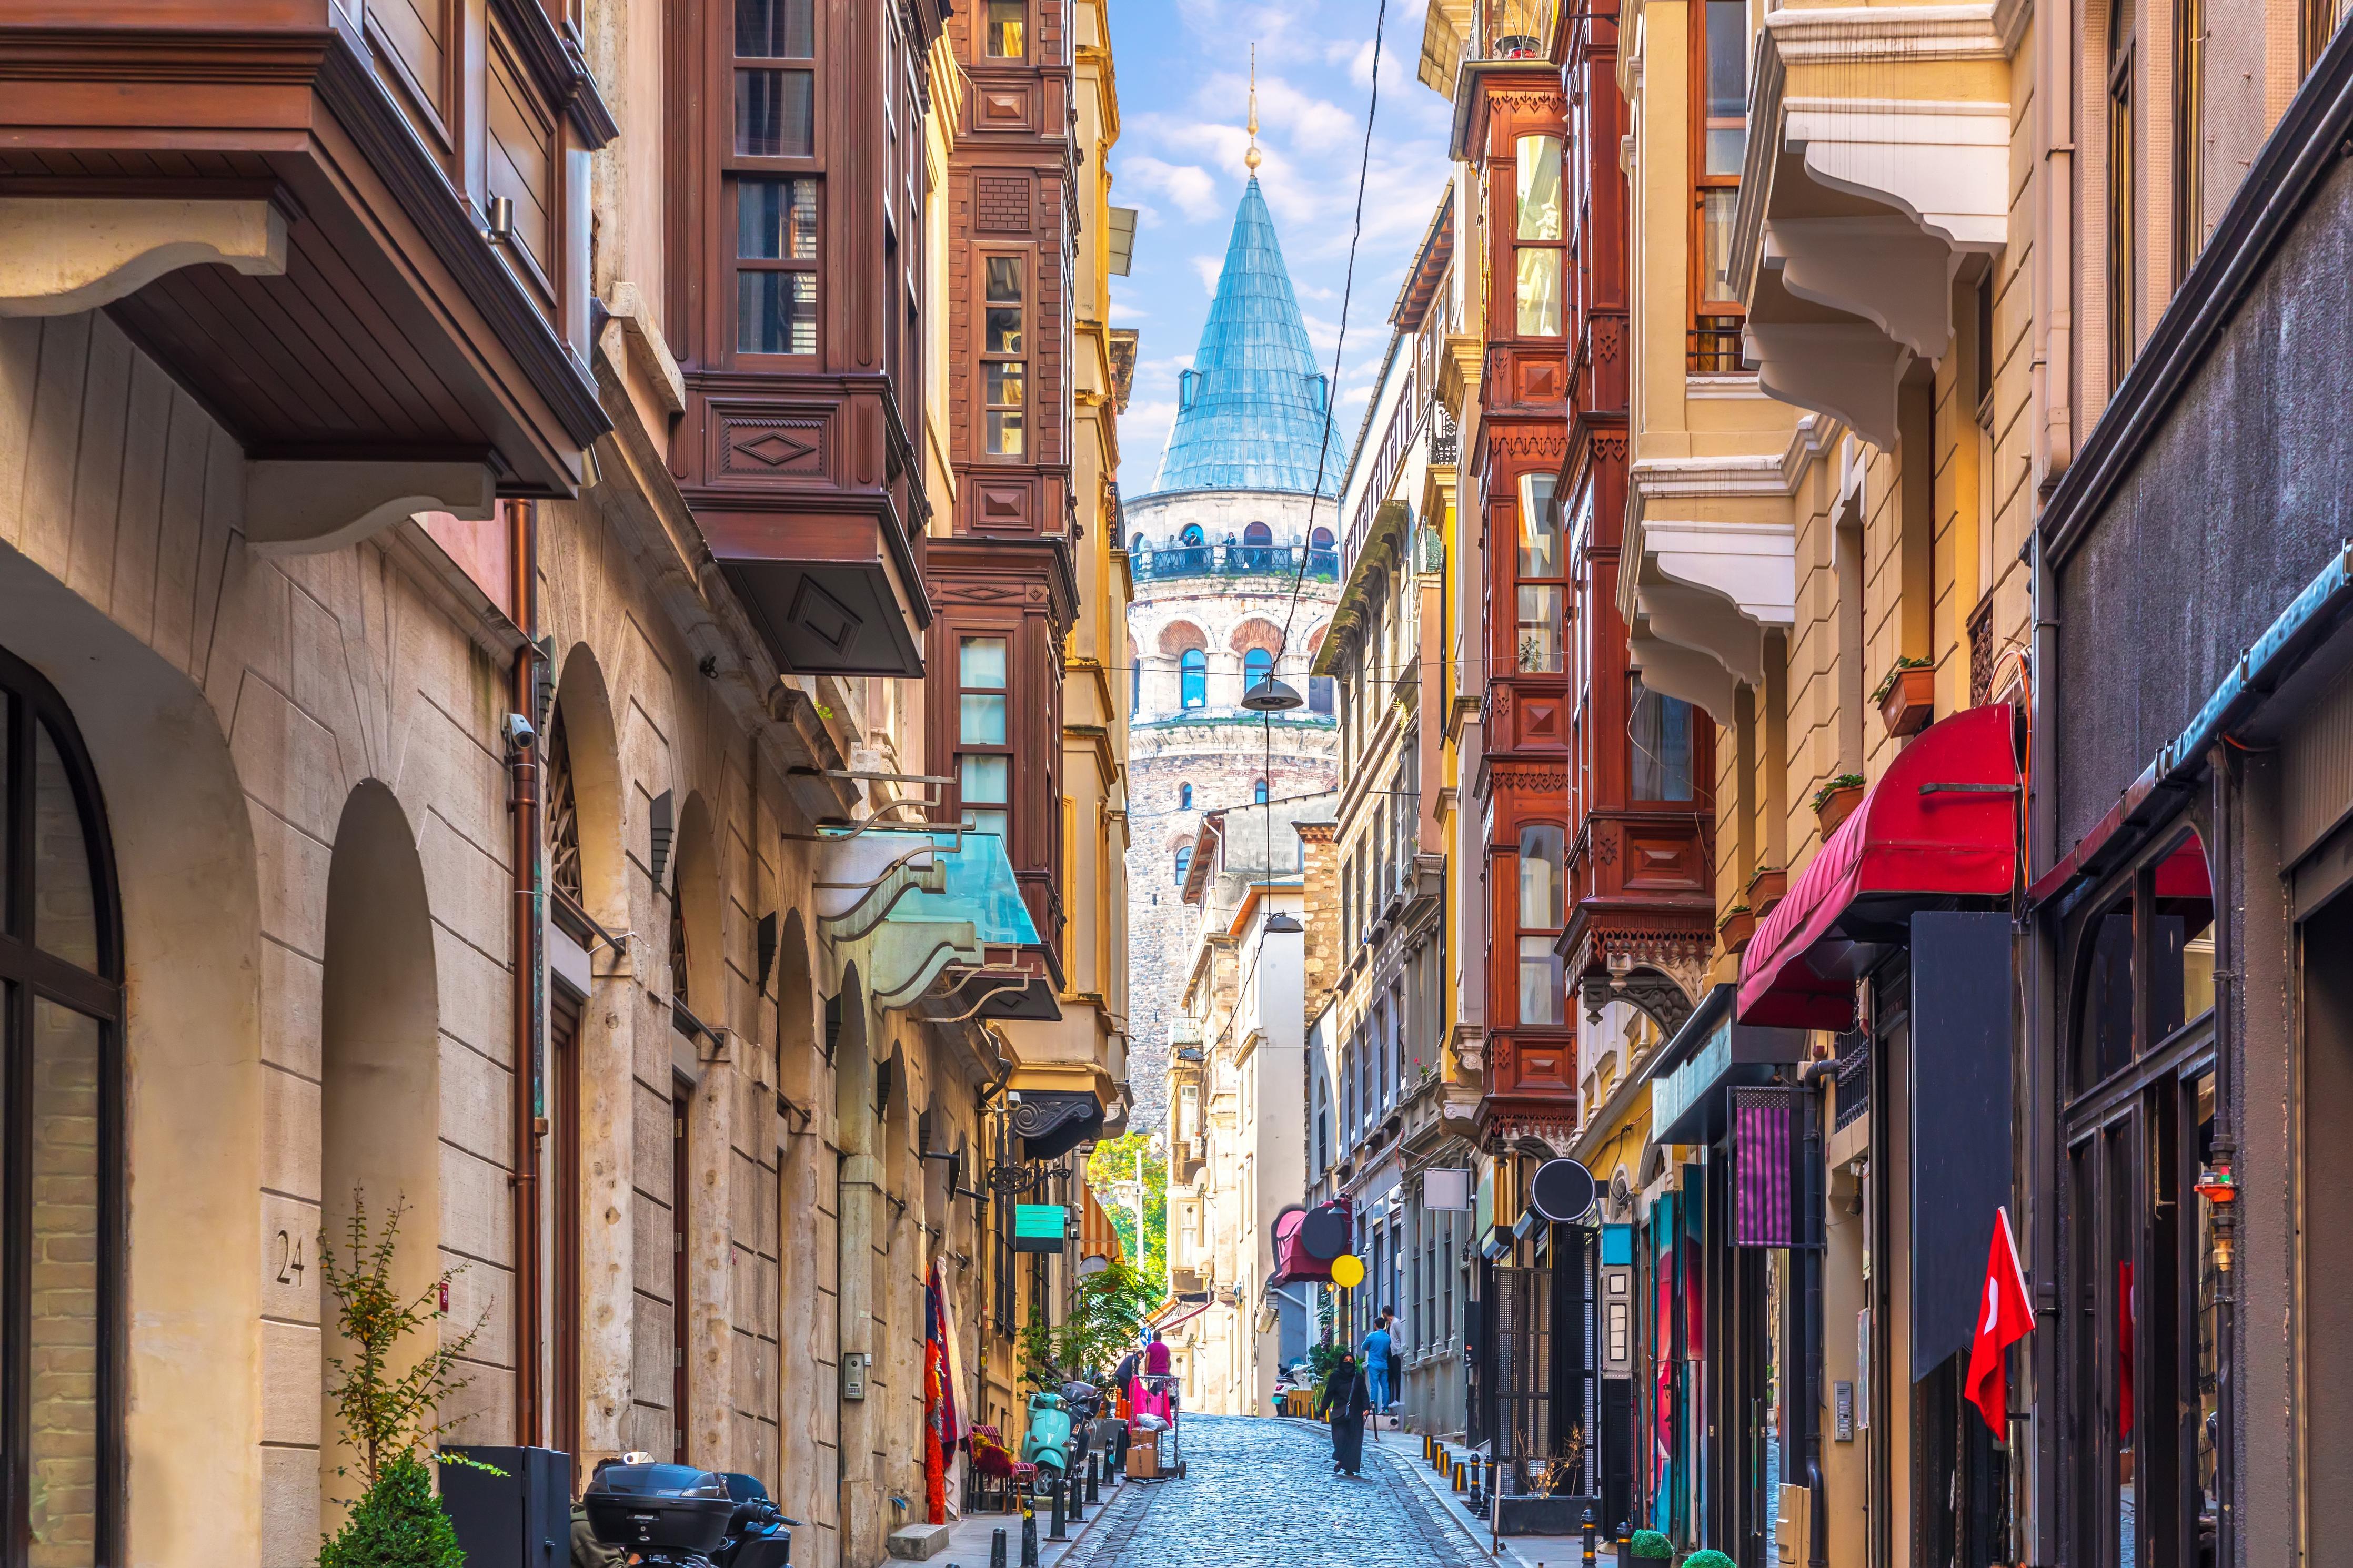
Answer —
(1156, 1357)
(1346, 1401)
(1378, 1344)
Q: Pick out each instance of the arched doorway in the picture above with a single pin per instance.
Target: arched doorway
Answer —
(380, 1076)
(60, 1012)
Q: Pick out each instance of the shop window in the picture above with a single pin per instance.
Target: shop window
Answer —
(60, 1252)
(1542, 902)
(1193, 678)
(2103, 1039)
(983, 752)
(1537, 238)
(1004, 371)
(2181, 941)
(1540, 631)
(1659, 730)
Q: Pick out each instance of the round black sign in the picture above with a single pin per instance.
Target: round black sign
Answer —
(1324, 1235)
(1561, 1190)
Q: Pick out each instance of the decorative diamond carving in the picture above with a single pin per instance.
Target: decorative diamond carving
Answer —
(815, 613)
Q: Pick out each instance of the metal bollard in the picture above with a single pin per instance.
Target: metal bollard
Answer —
(1587, 1557)
(1056, 1533)
(1459, 1482)
(1078, 1500)
(1029, 1536)
(1095, 1477)
(996, 1549)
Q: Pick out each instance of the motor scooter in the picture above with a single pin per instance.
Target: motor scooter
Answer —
(1046, 1445)
(675, 1516)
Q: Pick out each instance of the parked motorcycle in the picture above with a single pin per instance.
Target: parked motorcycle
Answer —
(675, 1516)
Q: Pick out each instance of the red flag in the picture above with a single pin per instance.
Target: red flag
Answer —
(2006, 1316)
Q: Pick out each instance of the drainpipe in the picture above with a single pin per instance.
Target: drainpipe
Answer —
(529, 979)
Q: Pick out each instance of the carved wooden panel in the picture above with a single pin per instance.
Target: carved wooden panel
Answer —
(1004, 107)
(759, 442)
(1004, 504)
(1660, 859)
(1539, 381)
(1538, 720)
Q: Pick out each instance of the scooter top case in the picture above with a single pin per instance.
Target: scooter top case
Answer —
(659, 1510)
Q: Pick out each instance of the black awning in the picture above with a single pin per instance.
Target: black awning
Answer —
(1052, 1123)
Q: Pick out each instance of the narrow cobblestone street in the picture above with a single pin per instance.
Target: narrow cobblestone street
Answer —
(1262, 1494)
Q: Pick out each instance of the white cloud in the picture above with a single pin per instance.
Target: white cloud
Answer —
(1143, 432)
(1121, 310)
(1191, 187)
(1208, 267)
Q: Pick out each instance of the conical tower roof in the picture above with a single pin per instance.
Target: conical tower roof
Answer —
(1252, 413)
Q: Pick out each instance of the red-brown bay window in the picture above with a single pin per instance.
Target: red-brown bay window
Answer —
(776, 208)
(1537, 262)
(1539, 632)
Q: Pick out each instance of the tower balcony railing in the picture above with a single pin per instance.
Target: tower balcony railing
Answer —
(1322, 564)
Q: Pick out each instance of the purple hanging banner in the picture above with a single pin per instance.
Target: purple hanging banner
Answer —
(1762, 1212)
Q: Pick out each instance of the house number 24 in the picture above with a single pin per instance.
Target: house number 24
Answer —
(289, 1258)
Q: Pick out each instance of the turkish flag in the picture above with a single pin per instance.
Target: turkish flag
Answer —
(2004, 1317)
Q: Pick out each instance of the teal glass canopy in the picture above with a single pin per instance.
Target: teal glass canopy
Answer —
(1252, 413)
(981, 891)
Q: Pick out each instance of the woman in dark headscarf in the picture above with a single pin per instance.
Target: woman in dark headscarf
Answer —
(1347, 1398)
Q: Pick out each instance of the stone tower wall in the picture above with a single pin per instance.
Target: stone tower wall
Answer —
(1218, 749)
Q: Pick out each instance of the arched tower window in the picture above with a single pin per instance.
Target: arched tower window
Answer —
(61, 1123)
(1257, 533)
(1184, 798)
(1191, 535)
(1320, 540)
(1183, 863)
(1193, 677)
(1257, 665)
(1258, 794)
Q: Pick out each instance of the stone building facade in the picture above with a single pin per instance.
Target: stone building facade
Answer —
(453, 600)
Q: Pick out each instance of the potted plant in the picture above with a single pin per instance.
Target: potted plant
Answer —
(1738, 924)
(390, 1416)
(1709, 1559)
(1768, 888)
(1906, 700)
(1836, 800)
(1649, 1546)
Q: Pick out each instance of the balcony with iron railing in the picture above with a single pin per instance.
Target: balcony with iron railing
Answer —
(1515, 29)
(1320, 562)
(1717, 348)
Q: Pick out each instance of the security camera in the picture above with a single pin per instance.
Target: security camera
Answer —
(519, 732)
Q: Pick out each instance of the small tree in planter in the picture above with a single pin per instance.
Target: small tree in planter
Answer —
(1709, 1559)
(390, 1419)
(1649, 1545)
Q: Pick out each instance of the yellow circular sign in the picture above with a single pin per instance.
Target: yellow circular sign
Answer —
(1348, 1269)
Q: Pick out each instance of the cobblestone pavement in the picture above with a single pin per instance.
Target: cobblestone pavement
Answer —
(1262, 1494)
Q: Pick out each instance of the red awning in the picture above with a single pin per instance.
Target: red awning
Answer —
(1294, 1264)
(1941, 822)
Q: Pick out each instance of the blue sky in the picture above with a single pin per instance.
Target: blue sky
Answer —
(1183, 70)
